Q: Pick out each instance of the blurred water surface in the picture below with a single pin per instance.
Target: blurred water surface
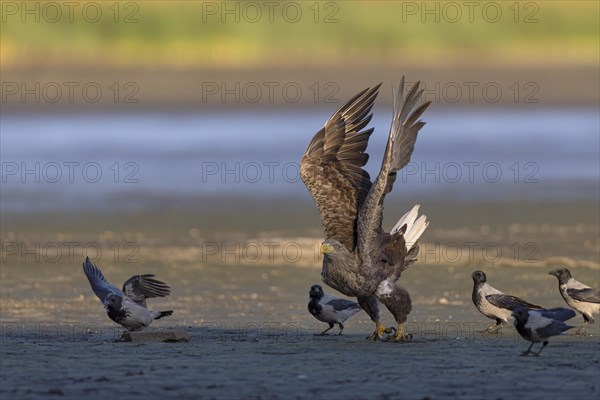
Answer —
(86, 161)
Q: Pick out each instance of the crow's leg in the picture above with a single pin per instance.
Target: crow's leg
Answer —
(488, 329)
(499, 325)
(543, 345)
(326, 330)
(587, 320)
(528, 351)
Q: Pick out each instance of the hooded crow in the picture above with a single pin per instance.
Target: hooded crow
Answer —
(493, 303)
(578, 296)
(329, 309)
(127, 307)
(539, 325)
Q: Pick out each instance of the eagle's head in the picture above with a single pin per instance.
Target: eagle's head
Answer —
(326, 248)
(331, 246)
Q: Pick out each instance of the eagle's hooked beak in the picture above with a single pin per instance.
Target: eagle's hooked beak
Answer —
(554, 272)
(326, 248)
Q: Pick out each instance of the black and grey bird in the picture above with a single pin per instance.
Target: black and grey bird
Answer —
(578, 296)
(329, 309)
(127, 307)
(539, 325)
(493, 303)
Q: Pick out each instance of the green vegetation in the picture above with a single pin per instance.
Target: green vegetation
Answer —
(228, 34)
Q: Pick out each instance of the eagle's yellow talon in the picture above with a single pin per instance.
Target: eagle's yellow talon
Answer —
(400, 335)
(379, 331)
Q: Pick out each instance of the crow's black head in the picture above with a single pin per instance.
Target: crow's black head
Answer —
(521, 314)
(113, 301)
(479, 277)
(562, 274)
(316, 292)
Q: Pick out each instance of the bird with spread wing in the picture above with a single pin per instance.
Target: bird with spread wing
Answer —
(361, 259)
(127, 307)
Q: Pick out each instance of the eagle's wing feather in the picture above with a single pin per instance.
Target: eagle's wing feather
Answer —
(141, 287)
(401, 142)
(331, 167)
(101, 287)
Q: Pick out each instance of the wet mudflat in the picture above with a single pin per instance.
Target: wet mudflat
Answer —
(251, 335)
(276, 364)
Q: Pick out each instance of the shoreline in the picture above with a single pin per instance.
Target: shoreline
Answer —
(192, 89)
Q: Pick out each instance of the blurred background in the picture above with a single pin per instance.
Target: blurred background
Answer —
(152, 135)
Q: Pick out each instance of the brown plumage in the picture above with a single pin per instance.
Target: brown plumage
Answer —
(332, 167)
(360, 259)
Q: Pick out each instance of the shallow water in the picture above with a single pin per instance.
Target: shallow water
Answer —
(84, 161)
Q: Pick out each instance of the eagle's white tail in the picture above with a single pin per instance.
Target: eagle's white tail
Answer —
(414, 226)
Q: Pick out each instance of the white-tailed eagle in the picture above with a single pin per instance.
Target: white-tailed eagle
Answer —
(361, 259)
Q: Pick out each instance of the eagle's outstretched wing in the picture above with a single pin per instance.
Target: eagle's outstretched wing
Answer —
(331, 167)
(403, 132)
(98, 282)
(401, 143)
(141, 287)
